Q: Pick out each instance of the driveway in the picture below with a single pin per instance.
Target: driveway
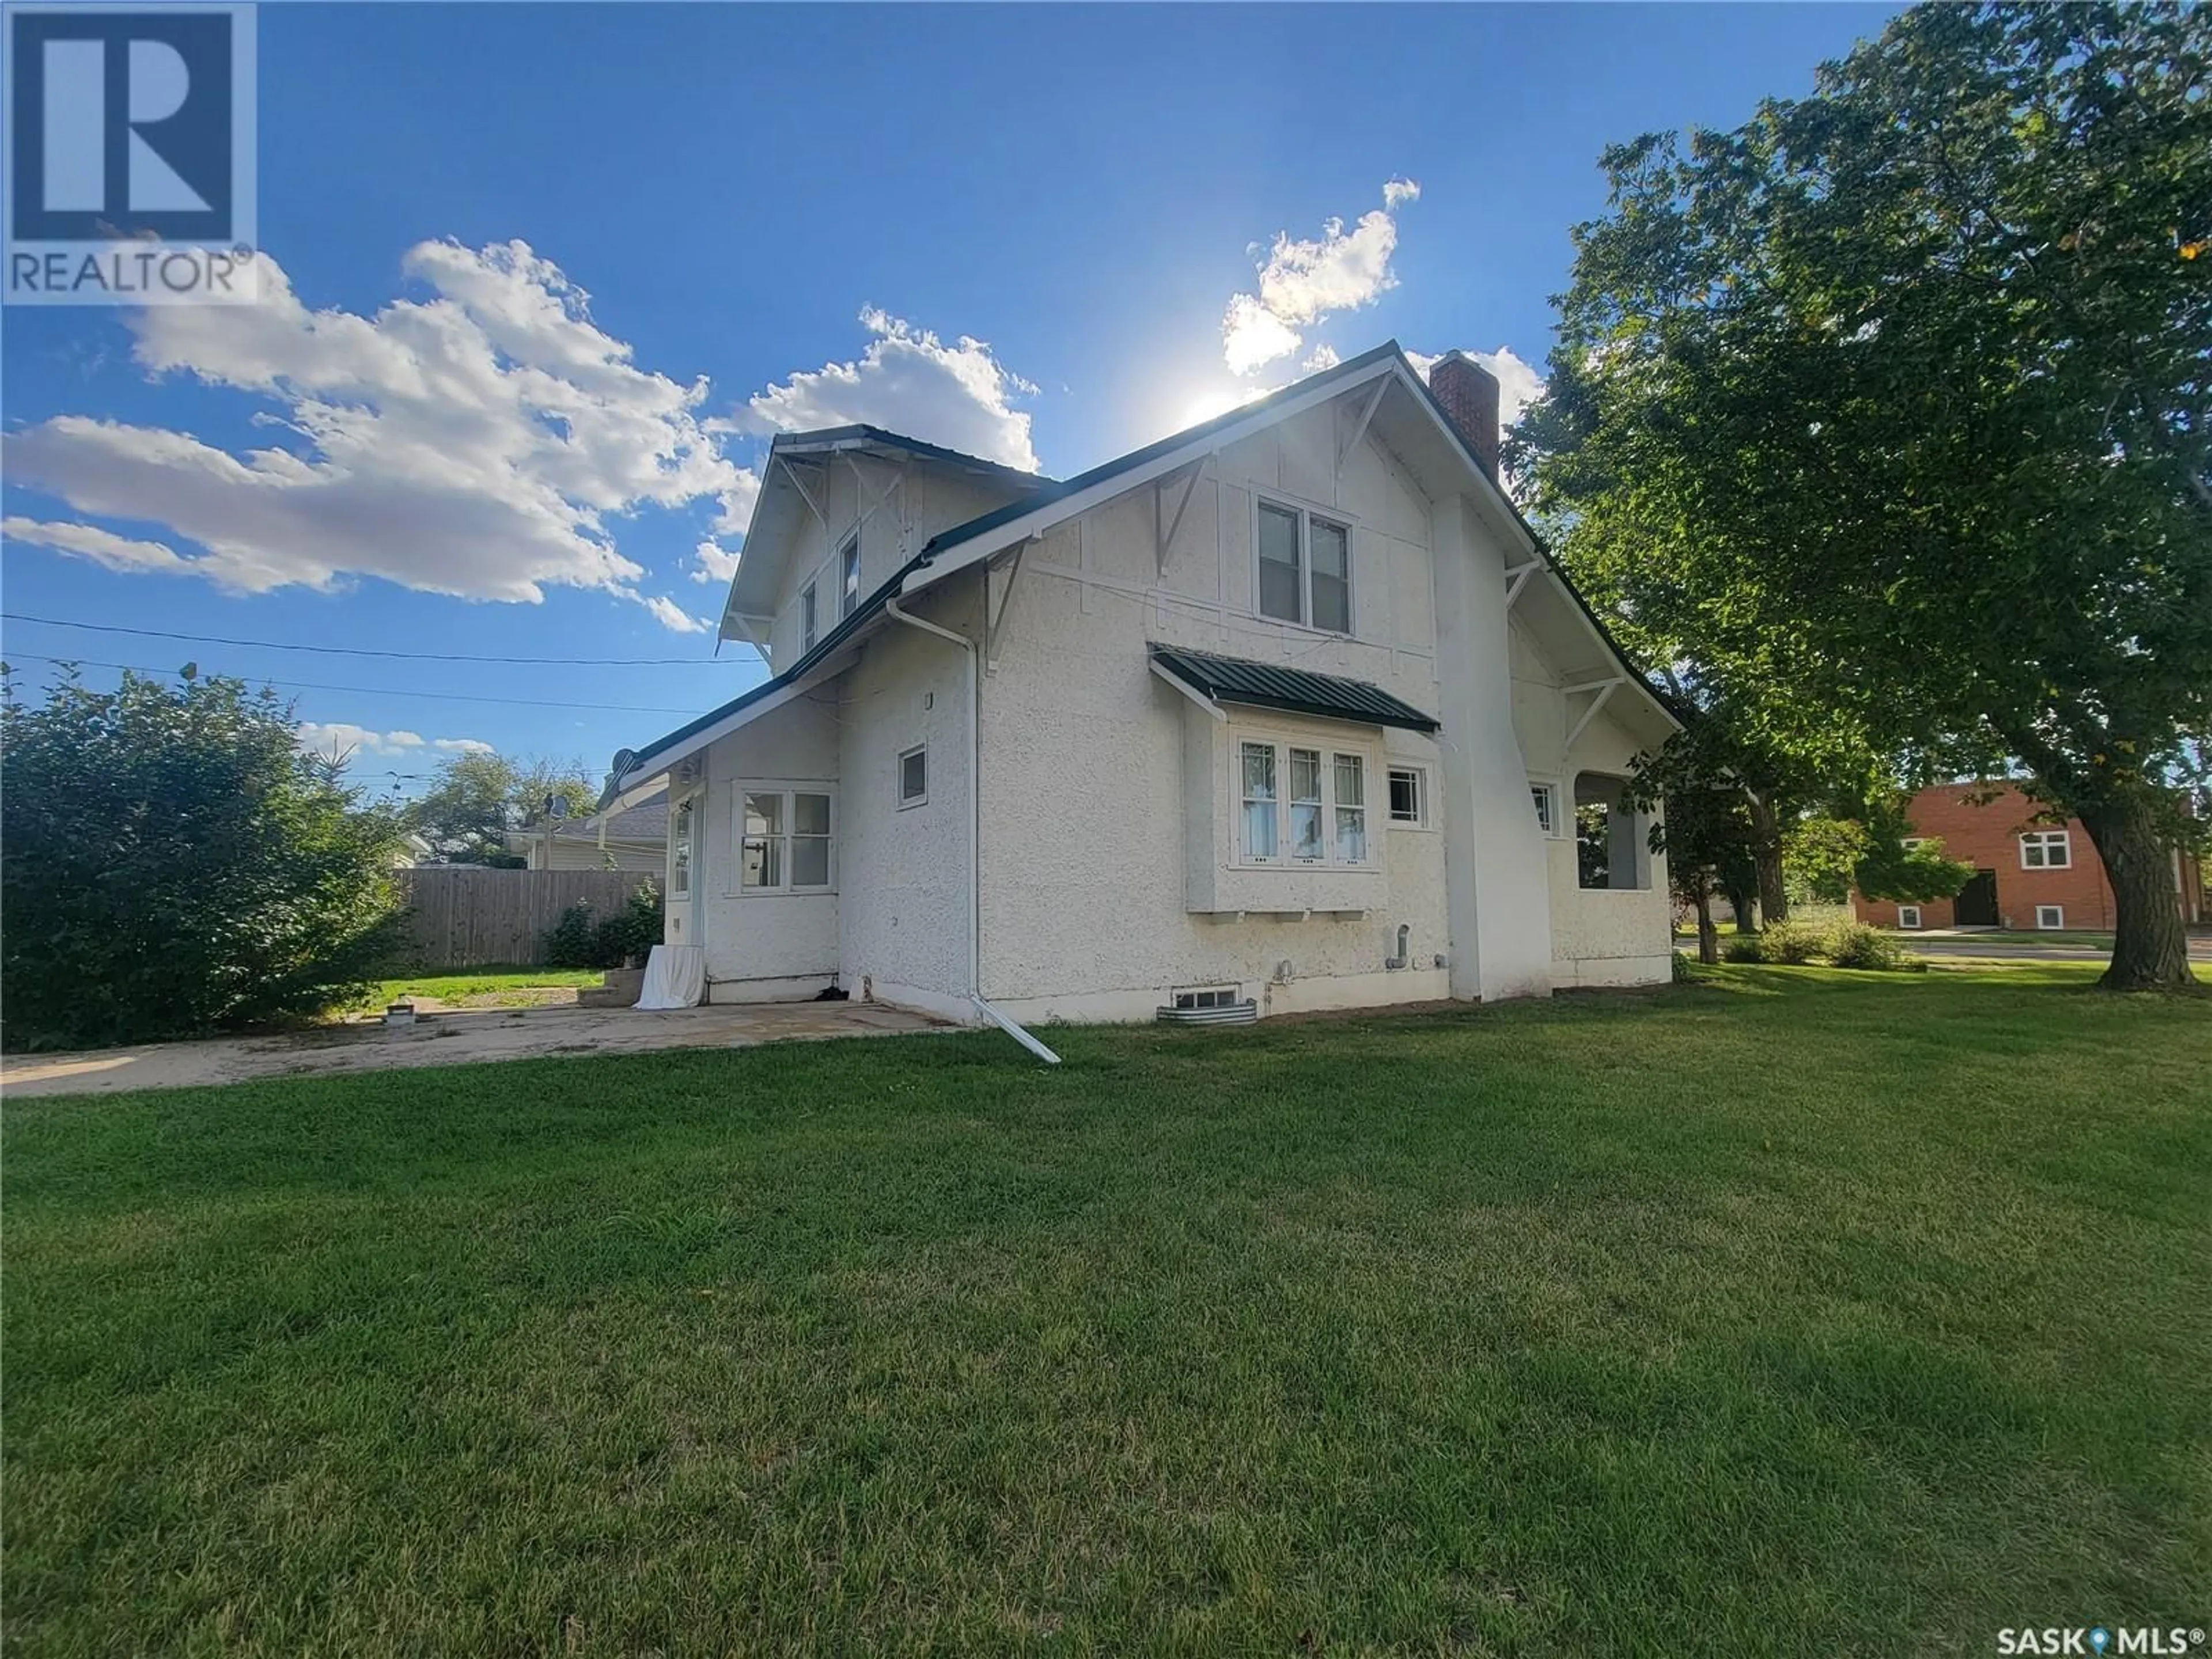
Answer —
(2016, 947)
(444, 1039)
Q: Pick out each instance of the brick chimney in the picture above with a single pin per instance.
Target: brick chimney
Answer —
(1469, 392)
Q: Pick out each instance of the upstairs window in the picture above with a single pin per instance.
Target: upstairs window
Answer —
(806, 618)
(1301, 806)
(848, 576)
(1303, 569)
(2046, 849)
(914, 776)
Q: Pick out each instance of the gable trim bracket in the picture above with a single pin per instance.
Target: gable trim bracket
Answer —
(1604, 688)
(1518, 578)
(1367, 408)
(1164, 536)
(995, 615)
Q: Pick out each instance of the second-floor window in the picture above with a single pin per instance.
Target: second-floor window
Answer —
(806, 615)
(2046, 849)
(1304, 572)
(848, 577)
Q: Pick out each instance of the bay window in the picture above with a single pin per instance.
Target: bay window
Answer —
(1301, 806)
(1303, 567)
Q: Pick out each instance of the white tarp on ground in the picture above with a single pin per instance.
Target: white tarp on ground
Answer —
(675, 977)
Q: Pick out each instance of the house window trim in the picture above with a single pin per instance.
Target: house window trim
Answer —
(684, 840)
(809, 614)
(2058, 911)
(847, 569)
(898, 777)
(2044, 841)
(1423, 816)
(1914, 924)
(1306, 512)
(787, 788)
(1557, 831)
(1330, 750)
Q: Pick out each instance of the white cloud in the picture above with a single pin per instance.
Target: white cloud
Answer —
(714, 562)
(463, 745)
(475, 443)
(1518, 383)
(1322, 357)
(908, 381)
(1304, 283)
(103, 547)
(335, 737)
(671, 615)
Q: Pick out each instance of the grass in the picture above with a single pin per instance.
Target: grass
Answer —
(487, 986)
(1791, 1312)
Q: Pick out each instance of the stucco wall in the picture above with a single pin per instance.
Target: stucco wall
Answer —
(1095, 772)
(760, 944)
(903, 918)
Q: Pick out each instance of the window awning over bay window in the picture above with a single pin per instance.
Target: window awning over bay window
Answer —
(1268, 685)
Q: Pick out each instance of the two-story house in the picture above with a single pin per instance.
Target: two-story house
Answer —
(1289, 708)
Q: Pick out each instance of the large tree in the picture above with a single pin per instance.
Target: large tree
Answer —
(1891, 412)
(173, 866)
(478, 796)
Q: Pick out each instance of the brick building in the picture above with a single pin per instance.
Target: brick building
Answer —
(2029, 873)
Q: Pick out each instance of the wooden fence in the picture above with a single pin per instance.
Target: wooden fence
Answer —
(470, 916)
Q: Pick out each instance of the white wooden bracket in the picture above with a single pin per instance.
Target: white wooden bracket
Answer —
(1604, 688)
(994, 621)
(1164, 533)
(745, 627)
(1518, 578)
(872, 499)
(1192, 692)
(805, 494)
(1359, 426)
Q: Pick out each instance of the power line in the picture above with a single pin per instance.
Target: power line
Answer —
(369, 691)
(365, 651)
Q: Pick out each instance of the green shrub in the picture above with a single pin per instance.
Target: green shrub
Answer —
(1791, 944)
(1855, 945)
(176, 866)
(579, 941)
(1741, 947)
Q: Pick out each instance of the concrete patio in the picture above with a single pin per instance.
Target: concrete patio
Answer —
(445, 1038)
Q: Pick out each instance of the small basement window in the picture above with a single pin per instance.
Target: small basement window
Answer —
(913, 775)
(1908, 916)
(2049, 916)
(1211, 996)
(1409, 796)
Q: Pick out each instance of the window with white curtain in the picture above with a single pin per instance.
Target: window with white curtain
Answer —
(1301, 806)
(1302, 567)
(786, 840)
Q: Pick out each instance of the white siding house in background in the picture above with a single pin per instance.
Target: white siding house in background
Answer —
(634, 838)
(1289, 706)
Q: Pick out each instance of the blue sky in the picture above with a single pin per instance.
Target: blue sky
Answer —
(1042, 234)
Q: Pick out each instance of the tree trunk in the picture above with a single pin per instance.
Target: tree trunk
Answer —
(2150, 951)
(1709, 939)
(1767, 828)
(1740, 901)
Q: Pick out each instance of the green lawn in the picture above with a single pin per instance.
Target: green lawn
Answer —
(491, 985)
(1794, 1313)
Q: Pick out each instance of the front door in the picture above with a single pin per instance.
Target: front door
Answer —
(1976, 903)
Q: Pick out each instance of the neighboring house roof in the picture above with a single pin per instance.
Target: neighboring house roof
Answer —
(1265, 685)
(1054, 500)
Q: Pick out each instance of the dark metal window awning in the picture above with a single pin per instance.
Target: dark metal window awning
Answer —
(1268, 685)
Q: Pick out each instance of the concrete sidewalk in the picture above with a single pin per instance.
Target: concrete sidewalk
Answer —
(452, 1038)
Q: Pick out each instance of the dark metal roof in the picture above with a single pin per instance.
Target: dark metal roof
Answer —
(1268, 685)
(890, 440)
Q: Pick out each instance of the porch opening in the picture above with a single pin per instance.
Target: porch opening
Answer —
(1610, 835)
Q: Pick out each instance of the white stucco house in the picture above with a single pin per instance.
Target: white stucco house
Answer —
(1289, 707)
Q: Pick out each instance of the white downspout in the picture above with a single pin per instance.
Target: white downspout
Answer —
(1003, 1021)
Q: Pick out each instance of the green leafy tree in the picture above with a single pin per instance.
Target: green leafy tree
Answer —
(173, 866)
(478, 796)
(1891, 412)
